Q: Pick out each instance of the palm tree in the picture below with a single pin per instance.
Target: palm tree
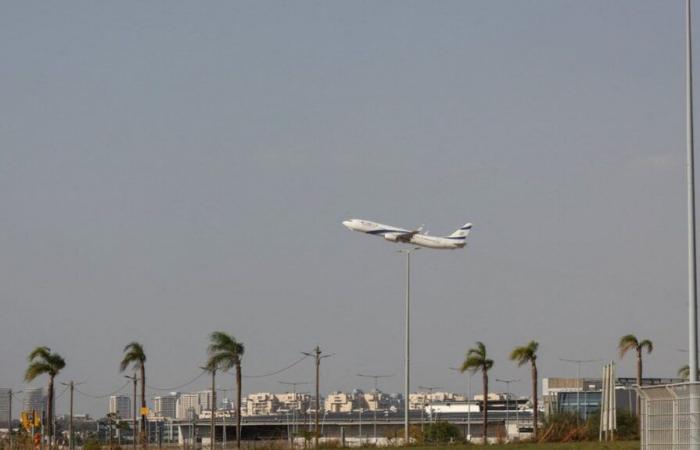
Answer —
(135, 356)
(477, 360)
(524, 355)
(225, 352)
(684, 372)
(630, 342)
(43, 361)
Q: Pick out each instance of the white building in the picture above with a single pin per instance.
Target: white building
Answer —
(5, 399)
(261, 404)
(166, 405)
(291, 401)
(34, 400)
(194, 403)
(341, 402)
(120, 405)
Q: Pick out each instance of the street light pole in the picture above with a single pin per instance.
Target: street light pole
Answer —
(376, 397)
(407, 362)
(468, 434)
(507, 383)
(430, 390)
(692, 282)
(578, 363)
(294, 385)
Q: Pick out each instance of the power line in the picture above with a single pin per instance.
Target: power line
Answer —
(175, 388)
(62, 392)
(278, 371)
(102, 396)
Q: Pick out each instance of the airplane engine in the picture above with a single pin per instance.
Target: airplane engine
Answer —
(393, 237)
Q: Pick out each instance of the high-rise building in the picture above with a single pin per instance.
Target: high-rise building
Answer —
(120, 405)
(5, 399)
(166, 405)
(194, 403)
(34, 400)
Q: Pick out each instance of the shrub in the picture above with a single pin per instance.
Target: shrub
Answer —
(563, 427)
(92, 444)
(441, 432)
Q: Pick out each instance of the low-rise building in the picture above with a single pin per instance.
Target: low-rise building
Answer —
(261, 404)
(337, 402)
(291, 401)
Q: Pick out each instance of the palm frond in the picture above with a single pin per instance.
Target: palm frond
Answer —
(476, 359)
(40, 352)
(133, 354)
(646, 343)
(42, 361)
(35, 370)
(627, 342)
(224, 350)
(525, 354)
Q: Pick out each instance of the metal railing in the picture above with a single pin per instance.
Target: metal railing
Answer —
(670, 417)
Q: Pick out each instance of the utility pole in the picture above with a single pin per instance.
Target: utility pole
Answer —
(133, 424)
(376, 397)
(212, 424)
(317, 356)
(9, 419)
(71, 435)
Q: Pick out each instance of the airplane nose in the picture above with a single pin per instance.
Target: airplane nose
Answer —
(347, 223)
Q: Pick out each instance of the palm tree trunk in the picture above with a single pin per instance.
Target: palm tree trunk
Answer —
(144, 437)
(639, 378)
(238, 404)
(48, 428)
(639, 367)
(485, 425)
(534, 400)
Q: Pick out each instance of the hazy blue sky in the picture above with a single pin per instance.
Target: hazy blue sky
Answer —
(172, 168)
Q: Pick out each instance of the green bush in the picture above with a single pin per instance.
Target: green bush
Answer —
(627, 426)
(441, 432)
(92, 444)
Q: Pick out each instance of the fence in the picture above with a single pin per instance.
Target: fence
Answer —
(670, 417)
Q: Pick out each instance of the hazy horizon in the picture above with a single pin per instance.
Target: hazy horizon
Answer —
(170, 169)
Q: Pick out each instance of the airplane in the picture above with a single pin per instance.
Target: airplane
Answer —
(415, 237)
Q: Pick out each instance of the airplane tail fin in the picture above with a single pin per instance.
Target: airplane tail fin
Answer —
(463, 232)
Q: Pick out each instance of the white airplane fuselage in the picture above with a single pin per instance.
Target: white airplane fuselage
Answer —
(400, 235)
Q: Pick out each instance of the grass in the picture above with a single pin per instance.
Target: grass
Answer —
(585, 445)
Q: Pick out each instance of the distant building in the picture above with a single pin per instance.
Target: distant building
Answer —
(166, 405)
(290, 401)
(261, 404)
(5, 399)
(492, 397)
(583, 395)
(193, 403)
(376, 401)
(120, 405)
(340, 402)
(34, 400)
